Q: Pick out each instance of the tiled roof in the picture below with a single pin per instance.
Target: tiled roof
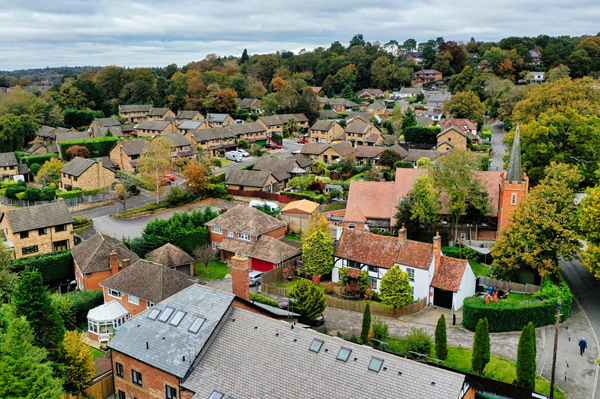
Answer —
(168, 347)
(369, 248)
(71, 136)
(365, 151)
(160, 112)
(135, 108)
(354, 215)
(271, 120)
(246, 219)
(428, 72)
(93, 254)
(264, 248)
(178, 139)
(107, 122)
(247, 102)
(183, 115)
(45, 131)
(398, 149)
(170, 255)
(77, 166)
(438, 98)
(314, 148)
(8, 159)
(374, 199)
(202, 135)
(343, 148)
(101, 131)
(245, 128)
(452, 128)
(23, 169)
(373, 92)
(373, 138)
(133, 147)
(415, 155)
(423, 121)
(302, 161)
(323, 126)
(410, 90)
(359, 127)
(305, 206)
(328, 114)
(449, 273)
(390, 139)
(158, 126)
(248, 178)
(285, 118)
(37, 217)
(415, 254)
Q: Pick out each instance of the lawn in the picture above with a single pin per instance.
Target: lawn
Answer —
(335, 206)
(478, 268)
(292, 236)
(96, 353)
(225, 162)
(216, 270)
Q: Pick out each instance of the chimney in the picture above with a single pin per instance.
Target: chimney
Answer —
(401, 235)
(437, 249)
(114, 261)
(240, 269)
(99, 161)
(125, 263)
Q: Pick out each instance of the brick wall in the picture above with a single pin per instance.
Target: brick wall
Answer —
(43, 241)
(97, 176)
(506, 194)
(277, 233)
(240, 281)
(119, 158)
(132, 308)
(452, 136)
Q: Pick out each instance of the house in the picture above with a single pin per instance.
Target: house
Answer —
(297, 213)
(47, 134)
(316, 89)
(424, 121)
(251, 132)
(248, 231)
(428, 76)
(370, 204)
(450, 138)
(414, 155)
(182, 148)
(185, 116)
(97, 132)
(325, 132)
(366, 117)
(365, 153)
(377, 107)
(409, 92)
(252, 105)
(152, 128)
(434, 113)
(358, 132)
(189, 126)
(125, 154)
(414, 55)
(465, 125)
(134, 113)
(328, 114)
(472, 55)
(321, 152)
(159, 114)
(216, 120)
(535, 77)
(39, 229)
(341, 105)
(536, 57)
(438, 99)
(301, 119)
(87, 174)
(105, 122)
(174, 257)
(214, 140)
(484, 66)
(8, 165)
(294, 167)
(272, 123)
(98, 258)
(253, 180)
(369, 93)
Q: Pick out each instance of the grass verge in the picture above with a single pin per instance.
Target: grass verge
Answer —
(216, 270)
(478, 268)
(96, 353)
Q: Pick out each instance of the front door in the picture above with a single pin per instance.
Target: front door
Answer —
(442, 298)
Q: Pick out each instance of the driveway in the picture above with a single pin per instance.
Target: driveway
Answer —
(499, 147)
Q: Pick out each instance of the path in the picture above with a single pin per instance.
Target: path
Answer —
(499, 148)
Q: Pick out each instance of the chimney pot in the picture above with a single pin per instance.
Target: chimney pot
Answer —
(402, 235)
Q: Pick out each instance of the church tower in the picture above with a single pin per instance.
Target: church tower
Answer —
(515, 184)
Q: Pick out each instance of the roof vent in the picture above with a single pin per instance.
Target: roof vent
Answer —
(147, 345)
(432, 383)
(256, 327)
(295, 339)
(277, 334)
(400, 373)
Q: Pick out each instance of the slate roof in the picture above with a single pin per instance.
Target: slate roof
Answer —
(71, 136)
(247, 178)
(276, 347)
(142, 338)
(398, 149)
(271, 120)
(190, 125)
(449, 273)
(170, 255)
(183, 115)
(302, 160)
(101, 131)
(415, 155)
(359, 128)
(323, 126)
(135, 108)
(93, 254)
(8, 159)
(45, 131)
(23, 169)
(37, 217)
(438, 98)
(246, 219)
(264, 248)
(377, 105)
(342, 101)
(245, 128)
(314, 148)
(133, 147)
(247, 102)
(52, 149)
(34, 148)
(285, 118)
(108, 122)
(203, 135)
(423, 121)
(343, 148)
(178, 139)
(365, 151)
(158, 126)
(328, 114)
(275, 165)
(160, 112)
(77, 166)
(220, 118)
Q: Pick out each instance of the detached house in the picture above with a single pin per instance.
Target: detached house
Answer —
(252, 105)
(87, 174)
(253, 180)
(134, 113)
(325, 132)
(369, 93)
(105, 122)
(8, 165)
(378, 107)
(125, 154)
(152, 128)
(191, 116)
(327, 153)
(159, 114)
(465, 125)
(359, 133)
(427, 76)
(40, 229)
(451, 138)
(341, 105)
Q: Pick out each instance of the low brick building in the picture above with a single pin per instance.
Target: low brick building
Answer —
(253, 180)
(320, 152)
(87, 174)
(213, 140)
(174, 257)
(159, 114)
(152, 128)
(184, 116)
(134, 113)
(40, 229)
(451, 138)
(125, 154)
(325, 132)
(216, 120)
(8, 165)
(182, 148)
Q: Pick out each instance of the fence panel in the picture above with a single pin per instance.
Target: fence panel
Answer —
(506, 286)
(68, 201)
(100, 390)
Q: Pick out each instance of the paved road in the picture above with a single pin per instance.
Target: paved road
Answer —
(499, 148)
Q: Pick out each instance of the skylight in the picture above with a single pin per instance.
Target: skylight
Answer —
(196, 325)
(316, 345)
(153, 314)
(177, 319)
(165, 315)
(375, 364)
(344, 354)
(216, 395)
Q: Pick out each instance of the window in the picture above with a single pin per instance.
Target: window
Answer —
(114, 293)
(373, 282)
(136, 377)
(375, 364)
(215, 245)
(177, 319)
(24, 234)
(150, 304)
(316, 345)
(43, 231)
(171, 392)
(411, 273)
(61, 245)
(195, 327)
(230, 233)
(373, 269)
(217, 230)
(154, 314)
(122, 395)
(62, 227)
(165, 315)
(351, 226)
(30, 250)
(119, 370)
(513, 199)
(354, 264)
(244, 236)
(74, 178)
(133, 299)
(344, 354)
(216, 395)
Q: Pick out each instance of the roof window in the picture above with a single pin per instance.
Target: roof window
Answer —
(316, 345)
(195, 327)
(177, 319)
(375, 364)
(344, 354)
(216, 395)
(153, 314)
(166, 314)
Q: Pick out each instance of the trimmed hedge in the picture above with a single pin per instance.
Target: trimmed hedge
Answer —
(220, 178)
(12, 192)
(70, 194)
(39, 159)
(99, 147)
(84, 301)
(261, 299)
(54, 267)
(422, 134)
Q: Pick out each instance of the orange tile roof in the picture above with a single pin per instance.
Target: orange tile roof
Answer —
(374, 199)
(364, 247)
(415, 254)
(449, 274)
(303, 205)
(354, 215)
(353, 273)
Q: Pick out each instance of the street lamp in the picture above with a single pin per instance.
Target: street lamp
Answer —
(555, 349)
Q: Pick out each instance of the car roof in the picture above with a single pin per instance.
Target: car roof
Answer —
(255, 273)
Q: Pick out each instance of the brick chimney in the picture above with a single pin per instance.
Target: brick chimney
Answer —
(401, 235)
(437, 249)
(240, 279)
(114, 262)
(125, 263)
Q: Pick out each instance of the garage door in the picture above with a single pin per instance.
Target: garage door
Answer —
(261, 265)
(442, 298)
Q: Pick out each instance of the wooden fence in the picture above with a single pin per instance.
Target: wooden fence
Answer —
(508, 286)
(101, 389)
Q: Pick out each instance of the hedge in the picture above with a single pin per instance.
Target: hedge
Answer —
(220, 178)
(70, 194)
(261, 299)
(39, 159)
(422, 134)
(12, 192)
(84, 301)
(99, 147)
(54, 267)
(466, 252)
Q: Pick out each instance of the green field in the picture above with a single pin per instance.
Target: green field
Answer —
(216, 270)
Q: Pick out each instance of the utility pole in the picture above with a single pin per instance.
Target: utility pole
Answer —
(555, 348)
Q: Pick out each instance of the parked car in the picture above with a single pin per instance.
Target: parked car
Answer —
(163, 181)
(233, 156)
(273, 206)
(302, 141)
(169, 176)
(273, 146)
(255, 277)
(244, 153)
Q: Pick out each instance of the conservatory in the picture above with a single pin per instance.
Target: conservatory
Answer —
(105, 319)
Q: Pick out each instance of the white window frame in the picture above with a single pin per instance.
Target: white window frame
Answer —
(351, 225)
(215, 245)
(230, 233)
(411, 273)
(114, 293)
(217, 230)
(245, 236)
(133, 299)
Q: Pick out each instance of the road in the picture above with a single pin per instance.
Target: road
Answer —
(499, 148)
(288, 147)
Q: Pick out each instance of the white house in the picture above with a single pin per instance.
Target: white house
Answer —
(536, 77)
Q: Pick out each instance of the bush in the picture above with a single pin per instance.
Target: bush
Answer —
(417, 340)
(486, 134)
(217, 162)
(8, 183)
(261, 299)
(48, 194)
(92, 191)
(329, 288)
(83, 301)
(35, 168)
(39, 159)
(403, 165)
(379, 328)
(216, 179)
(422, 134)
(79, 220)
(466, 252)
(176, 197)
(54, 267)
(12, 192)
(243, 143)
(508, 316)
(354, 289)
(32, 194)
(20, 196)
(70, 194)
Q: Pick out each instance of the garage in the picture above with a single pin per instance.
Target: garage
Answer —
(262, 265)
(442, 298)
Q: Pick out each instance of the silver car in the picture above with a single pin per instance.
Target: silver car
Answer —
(255, 278)
(243, 153)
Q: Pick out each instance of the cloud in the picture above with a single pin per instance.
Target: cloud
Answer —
(155, 33)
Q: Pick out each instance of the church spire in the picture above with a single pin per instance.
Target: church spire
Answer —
(515, 170)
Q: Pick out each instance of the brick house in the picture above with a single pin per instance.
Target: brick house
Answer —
(174, 257)
(341, 105)
(365, 153)
(8, 165)
(98, 258)
(134, 113)
(378, 107)
(272, 123)
(252, 180)
(97, 132)
(301, 119)
(428, 75)
(327, 153)
(125, 154)
(251, 132)
(152, 128)
(182, 148)
(325, 132)
(39, 229)
(216, 120)
(192, 116)
(87, 174)
(252, 105)
(189, 126)
(464, 125)
(450, 138)
(213, 140)
(159, 114)
(105, 122)
(369, 93)
(358, 132)
(47, 134)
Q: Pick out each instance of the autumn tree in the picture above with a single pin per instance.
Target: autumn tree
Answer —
(197, 176)
(558, 73)
(78, 366)
(204, 254)
(50, 171)
(196, 91)
(467, 105)
(309, 300)
(589, 225)
(506, 70)
(278, 84)
(154, 162)
(317, 253)
(78, 151)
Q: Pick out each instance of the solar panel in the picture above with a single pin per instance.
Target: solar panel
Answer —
(165, 315)
(153, 314)
(196, 325)
(177, 318)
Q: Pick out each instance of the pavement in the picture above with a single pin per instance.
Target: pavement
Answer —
(498, 147)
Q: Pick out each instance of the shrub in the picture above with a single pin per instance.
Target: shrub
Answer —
(466, 252)
(366, 325)
(508, 316)
(79, 220)
(83, 301)
(176, 197)
(99, 147)
(217, 162)
(418, 340)
(11, 192)
(48, 194)
(379, 328)
(20, 195)
(261, 299)
(93, 191)
(39, 159)
(216, 179)
(243, 143)
(70, 194)
(32, 194)
(54, 267)
(486, 134)
(422, 134)
(354, 289)
(8, 183)
(403, 165)
(35, 168)
(329, 288)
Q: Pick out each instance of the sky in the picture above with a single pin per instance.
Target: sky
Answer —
(41, 33)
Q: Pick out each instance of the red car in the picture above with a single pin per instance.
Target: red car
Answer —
(273, 146)
(169, 176)
(163, 181)
(302, 141)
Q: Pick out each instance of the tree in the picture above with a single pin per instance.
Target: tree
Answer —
(278, 84)
(389, 158)
(197, 176)
(395, 119)
(347, 92)
(32, 301)
(78, 151)
(204, 254)
(309, 300)
(268, 210)
(395, 288)
(589, 224)
(558, 73)
(428, 53)
(543, 227)
(316, 222)
(79, 369)
(154, 162)
(442, 63)
(441, 345)
(366, 325)
(50, 170)
(479, 207)
(15, 131)
(8, 280)
(330, 92)
(309, 105)
(317, 253)
(463, 81)
(506, 70)
(24, 371)
(383, 73)
(526, 352)
(124, 189)
(424, 163)
(345, 76)
(465, 105)
(481, 347)
(270, 103)
(245, 57)
(409, 119)
(426, 205)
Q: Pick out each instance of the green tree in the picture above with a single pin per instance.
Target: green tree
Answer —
(558, 73)
(24, 371)
(383, 73)
(330, 92)
(463, 81)
(441, 345)
(589, 224)
(32, 301)
(8, 280)
(442, 63)
(344, 77)
(481, 347)
(395, 288)
(526, 352)
(424, 163)
(245, 57)
(270, 103)
(78, 366)
(347, 92)
(309, 300)
(409, 119)
(366, 325)
(465, 104)
(389, 158)
(16, 131)
(317, 253)
(309, 104)
(426, 205)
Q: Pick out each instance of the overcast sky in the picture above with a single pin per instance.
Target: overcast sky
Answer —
(40, 33)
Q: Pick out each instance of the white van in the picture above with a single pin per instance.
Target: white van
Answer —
(233, 156)
(272, 205)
